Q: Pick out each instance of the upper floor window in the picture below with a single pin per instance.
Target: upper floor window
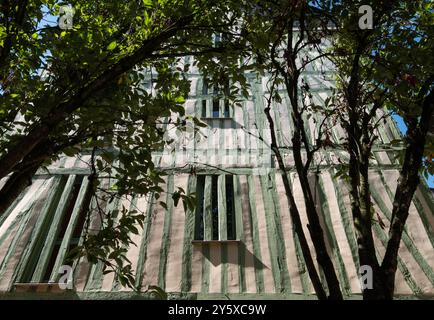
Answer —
(215, 211)
(215, 102)
(220, 39)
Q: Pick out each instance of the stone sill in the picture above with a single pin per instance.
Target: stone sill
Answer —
(215, 242)
(52, 287)
(219, 118)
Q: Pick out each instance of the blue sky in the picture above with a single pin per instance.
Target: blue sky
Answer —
(403, 128)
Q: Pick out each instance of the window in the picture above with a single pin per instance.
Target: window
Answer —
(61, 232)
(215, 211)
(217, 40)
(216, 106)
(204, 93)
(220, 39)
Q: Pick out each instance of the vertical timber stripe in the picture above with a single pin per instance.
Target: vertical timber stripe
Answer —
(174, 255)
(215, 267)
(299, 200)
(422, 209)
(342, 196)
(232, 277)
(15, 220)
(96, 276)
(409, 253)
(53, 231)
(264, 244)
(332, 233)
(109, 283)
(427, 214)
(222, 217)
(205, 257)
(63, 250)
(94, 221)
(21, 200)
(144, 240)
(305, 283)
(152, 262)
(207, 226)
(417, 228)
(165, 239)
(343, 236)
(247, 245)
(187, 250)
(10, 263)
(240, 234)
(287, 229)
(207, 209)
(138, 205)
(402, 272)
(38, 235)
(257, 254)
(274, 233)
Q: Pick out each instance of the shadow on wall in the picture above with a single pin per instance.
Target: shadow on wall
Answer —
(233, 252)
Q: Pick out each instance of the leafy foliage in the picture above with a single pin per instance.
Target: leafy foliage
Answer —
(108, 86)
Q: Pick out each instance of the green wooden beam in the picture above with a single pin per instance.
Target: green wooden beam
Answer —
(221, 190)
(189, 230)
(29, 258)
(50, 241)
(207, 209)
(165, 239)
(70, 229)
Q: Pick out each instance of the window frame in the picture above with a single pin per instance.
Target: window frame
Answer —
(212, 188)
(214, 102)
(37, 265)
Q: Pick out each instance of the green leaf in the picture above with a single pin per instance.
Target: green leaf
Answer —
(163, 204)
(112, 46)
(176, 196)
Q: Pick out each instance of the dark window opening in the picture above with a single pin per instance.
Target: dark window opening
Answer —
(215, 208)
(213, 223)
(216, 102)
(217, 40)
(230, 207)
(227, 115)
(199, 210)
(51, 263)
(204, 92)
(215, 108)
(203, 113)
(226, 99)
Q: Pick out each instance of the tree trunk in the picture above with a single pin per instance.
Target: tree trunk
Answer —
(315, 229)
(16, 184)
(295, 215)
(22, 177)
(408, 181)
